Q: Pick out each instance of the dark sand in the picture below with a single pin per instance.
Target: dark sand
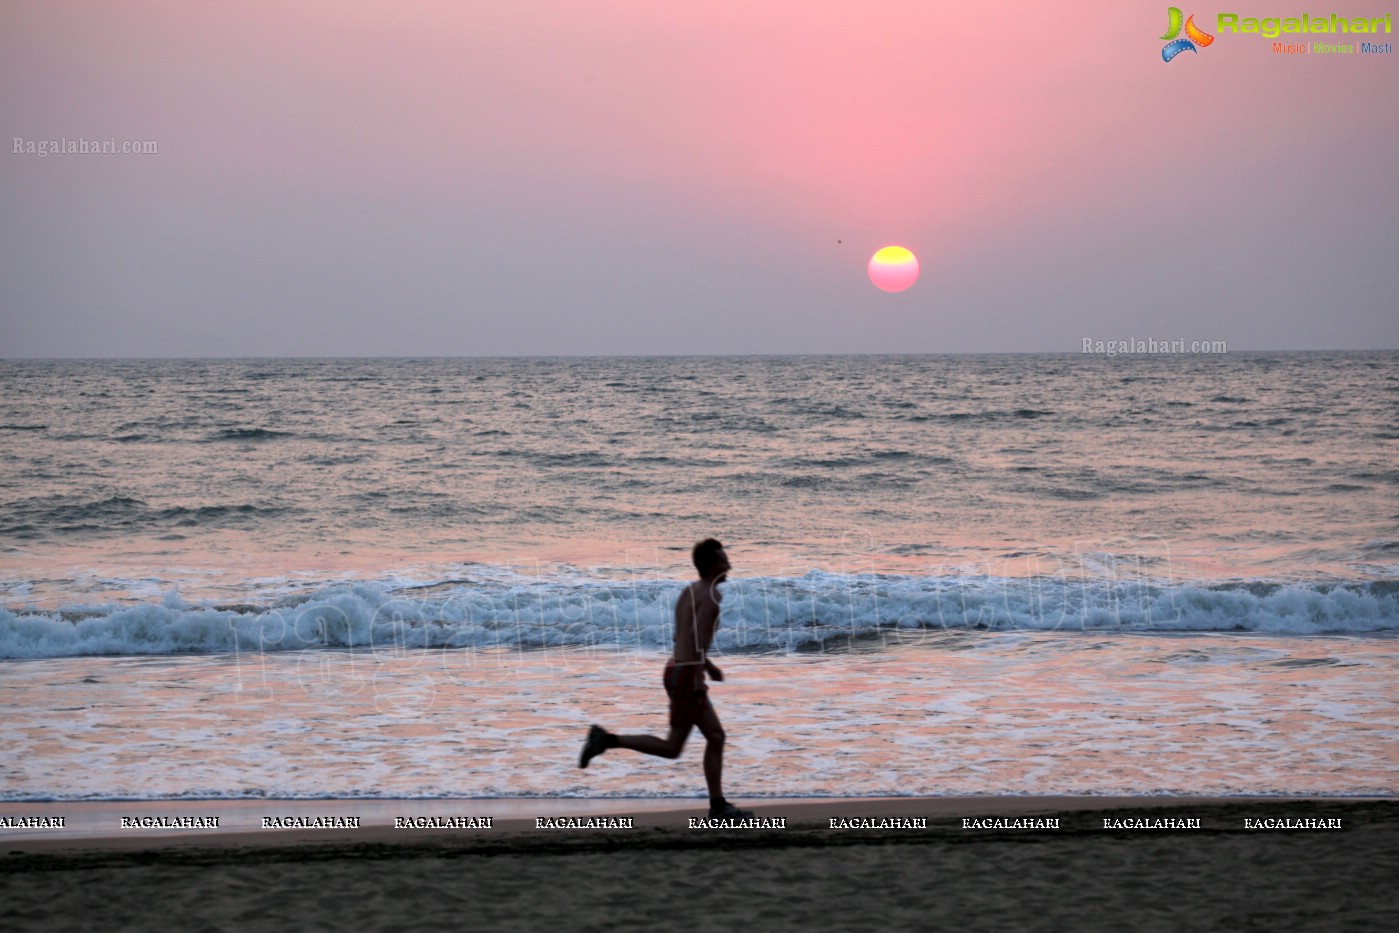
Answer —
(662, 874)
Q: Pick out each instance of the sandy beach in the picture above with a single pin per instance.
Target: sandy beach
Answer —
(967, 863)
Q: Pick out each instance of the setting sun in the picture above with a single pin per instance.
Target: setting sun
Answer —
(893, 268)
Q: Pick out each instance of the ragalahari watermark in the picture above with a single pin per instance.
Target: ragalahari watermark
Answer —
(84, 146)
(1150, 345)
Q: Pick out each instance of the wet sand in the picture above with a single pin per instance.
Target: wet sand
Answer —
(1149, 869)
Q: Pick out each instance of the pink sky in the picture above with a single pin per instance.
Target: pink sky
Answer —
(358, 178)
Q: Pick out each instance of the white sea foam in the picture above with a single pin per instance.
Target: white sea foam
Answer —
(765, 613)
(962, 713)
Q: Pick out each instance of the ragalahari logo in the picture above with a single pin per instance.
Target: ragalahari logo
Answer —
(1194, 36)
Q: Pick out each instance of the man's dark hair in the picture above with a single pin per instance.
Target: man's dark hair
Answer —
(706, 555)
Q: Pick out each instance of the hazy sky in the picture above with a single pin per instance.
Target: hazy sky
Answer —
(514, 177)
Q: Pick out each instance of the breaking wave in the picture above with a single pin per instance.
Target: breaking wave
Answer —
(760, 614)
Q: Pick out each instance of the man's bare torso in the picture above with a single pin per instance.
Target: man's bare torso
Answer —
(696, 618)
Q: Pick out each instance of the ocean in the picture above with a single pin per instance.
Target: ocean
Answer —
(1006, 574)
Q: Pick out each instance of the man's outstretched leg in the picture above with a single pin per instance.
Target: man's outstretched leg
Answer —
(686, 703)
(600, 740)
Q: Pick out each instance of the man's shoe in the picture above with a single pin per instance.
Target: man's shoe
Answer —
(728, 812)
(595, 745)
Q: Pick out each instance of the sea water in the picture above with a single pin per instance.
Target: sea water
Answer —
(970, 574)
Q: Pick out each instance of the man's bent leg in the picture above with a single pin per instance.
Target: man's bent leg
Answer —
(669, 747)
(719, 808)
(713, 732)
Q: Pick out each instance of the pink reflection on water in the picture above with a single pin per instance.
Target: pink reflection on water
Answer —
(945, 714)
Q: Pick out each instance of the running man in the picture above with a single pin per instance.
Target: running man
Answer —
(696, 618)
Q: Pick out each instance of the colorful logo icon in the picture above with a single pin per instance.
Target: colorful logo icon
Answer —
(1194, 36)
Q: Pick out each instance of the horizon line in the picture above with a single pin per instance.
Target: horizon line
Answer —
(595, 356)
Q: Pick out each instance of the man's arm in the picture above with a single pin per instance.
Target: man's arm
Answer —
(706, 625)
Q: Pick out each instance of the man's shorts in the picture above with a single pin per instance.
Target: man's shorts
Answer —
(689, 697)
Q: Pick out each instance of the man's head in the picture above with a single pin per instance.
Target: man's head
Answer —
(710, 559)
